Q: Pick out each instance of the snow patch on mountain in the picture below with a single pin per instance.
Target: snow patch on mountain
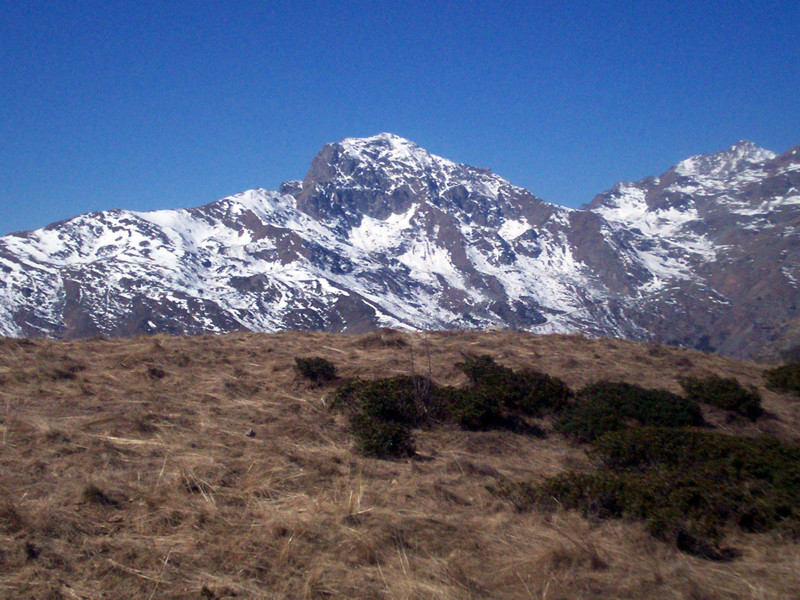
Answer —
(374, 235)
(765, 207)
(627, 208)
(511, 229)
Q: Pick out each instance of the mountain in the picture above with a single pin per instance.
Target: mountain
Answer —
(719, 234)
(382, 233)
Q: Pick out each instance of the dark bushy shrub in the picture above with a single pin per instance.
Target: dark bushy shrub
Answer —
(381, 439)
(528, 392)
(315, 368)
(383, 411)
(482, 370)
(785, 378)
(417, 401)
(586, 420)
(478, 409)
(679, 510)
(413, 400)
(687, 485)
(726, 393)
(605, 406)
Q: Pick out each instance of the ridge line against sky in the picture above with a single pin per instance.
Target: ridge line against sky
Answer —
(176, 104)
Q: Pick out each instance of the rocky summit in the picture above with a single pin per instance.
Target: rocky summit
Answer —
(381, 233)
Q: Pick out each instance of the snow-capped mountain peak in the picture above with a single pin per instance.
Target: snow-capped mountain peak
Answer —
(381, 232)
(390, 148)
(719, 165)
(386, 174)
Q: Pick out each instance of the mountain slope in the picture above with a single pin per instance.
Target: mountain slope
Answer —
(721, 232)
(382, 233)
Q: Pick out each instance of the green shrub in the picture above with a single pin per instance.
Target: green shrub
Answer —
(785, 378)
(381, 439)
(726, 393)
(483, 371)
(382, 412)
(478, 409)
(345, 396)
(605, 407)
(417, 401)
(527, 392)
(587, 421)
(413, 400)
(753, 482)
(679, 510)
(315, 368)
(686, 485)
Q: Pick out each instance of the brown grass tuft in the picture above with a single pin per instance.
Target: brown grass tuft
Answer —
(383, 338)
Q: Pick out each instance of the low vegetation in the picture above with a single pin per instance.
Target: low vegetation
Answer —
(605, 406)
(686, 485)
(785, 378)
(315, 368)
(382, 412)
(412, 400)
(724, 392)
(528, 391)
(381, 439)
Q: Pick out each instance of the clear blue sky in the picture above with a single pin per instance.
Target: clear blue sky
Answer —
(143, 105)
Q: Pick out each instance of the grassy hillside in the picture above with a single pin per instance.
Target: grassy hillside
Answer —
(206, 467)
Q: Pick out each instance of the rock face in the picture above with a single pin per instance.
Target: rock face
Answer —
(382, 233)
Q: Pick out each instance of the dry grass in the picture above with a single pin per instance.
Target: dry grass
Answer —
(127, 471)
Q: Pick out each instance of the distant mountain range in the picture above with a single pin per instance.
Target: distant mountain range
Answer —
(381, 233)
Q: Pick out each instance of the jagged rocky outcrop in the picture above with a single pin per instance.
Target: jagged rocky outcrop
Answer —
(382, 233)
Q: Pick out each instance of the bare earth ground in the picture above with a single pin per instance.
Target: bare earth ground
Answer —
(127, 471)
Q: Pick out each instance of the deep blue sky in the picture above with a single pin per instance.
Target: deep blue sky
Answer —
(117, 104)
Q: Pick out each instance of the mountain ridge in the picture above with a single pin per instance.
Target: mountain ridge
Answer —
(382, 233)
